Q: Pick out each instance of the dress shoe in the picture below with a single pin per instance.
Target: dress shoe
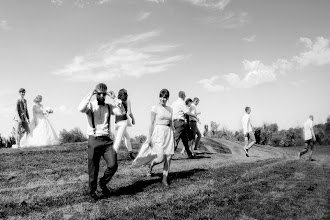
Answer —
(131, 155)
(106, 192)
(93, 196)
(192, 156)
(246, 152)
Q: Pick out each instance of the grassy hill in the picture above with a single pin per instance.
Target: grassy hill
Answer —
(51, 183)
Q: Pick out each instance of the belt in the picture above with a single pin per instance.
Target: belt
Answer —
(178, 120)
(168, 125)
(120, 118)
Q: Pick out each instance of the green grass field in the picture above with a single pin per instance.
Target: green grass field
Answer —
(51, 183)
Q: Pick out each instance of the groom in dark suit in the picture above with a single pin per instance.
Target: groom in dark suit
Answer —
(21, 117)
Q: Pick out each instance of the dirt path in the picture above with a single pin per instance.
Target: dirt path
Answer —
(207, 159)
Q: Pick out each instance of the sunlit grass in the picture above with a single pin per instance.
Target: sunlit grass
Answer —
(51, 183)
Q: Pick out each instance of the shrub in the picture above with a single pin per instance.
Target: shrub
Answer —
(74, 135)
(140, 138)
(239, 136)
(214, 129)
(322, 133)
(8, 142)
(2, 142)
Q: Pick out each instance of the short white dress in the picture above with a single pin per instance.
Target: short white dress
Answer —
(162, 139)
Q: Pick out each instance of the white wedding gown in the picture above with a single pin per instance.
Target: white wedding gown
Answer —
(41, 131)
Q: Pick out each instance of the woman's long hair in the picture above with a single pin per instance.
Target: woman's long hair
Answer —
(122, 95)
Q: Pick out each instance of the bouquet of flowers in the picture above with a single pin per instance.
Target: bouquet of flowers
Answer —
(49, 110)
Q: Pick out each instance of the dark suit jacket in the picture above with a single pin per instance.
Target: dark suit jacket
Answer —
(22, 110)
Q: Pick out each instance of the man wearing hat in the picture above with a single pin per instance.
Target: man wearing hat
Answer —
(21, 117)
(99, 142)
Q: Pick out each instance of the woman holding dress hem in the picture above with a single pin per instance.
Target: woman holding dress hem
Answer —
(161, 136)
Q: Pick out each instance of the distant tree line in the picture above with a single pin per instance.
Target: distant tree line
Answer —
(9, 141)
(267, 134)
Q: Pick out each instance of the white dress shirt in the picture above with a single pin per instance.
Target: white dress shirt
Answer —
(101, 114)
(179, 109)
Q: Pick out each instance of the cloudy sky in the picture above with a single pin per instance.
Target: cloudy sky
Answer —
(273, 56)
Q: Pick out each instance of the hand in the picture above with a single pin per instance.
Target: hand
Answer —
(111, 94)
(314, 139)
(94, 92)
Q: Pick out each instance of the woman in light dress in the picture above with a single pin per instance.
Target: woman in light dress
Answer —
(123, 115)
(41, 131)
(159, 145)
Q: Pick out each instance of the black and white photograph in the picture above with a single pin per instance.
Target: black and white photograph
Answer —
(164, 109)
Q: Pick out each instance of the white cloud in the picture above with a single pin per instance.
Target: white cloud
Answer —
(143, 16)
(215, 4)
(63, 109)
(156, 1)
(80, 3)
(228, 20)
(257, 73)
(57, 2)
(282, 66)
(210, 85)
(4, 25)
(128, 56)
(250, 39)
(317, 53)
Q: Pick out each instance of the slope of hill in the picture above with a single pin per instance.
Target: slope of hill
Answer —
(51, 182)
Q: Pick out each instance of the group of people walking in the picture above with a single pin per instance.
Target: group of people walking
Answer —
(167, 127)
(250, 139)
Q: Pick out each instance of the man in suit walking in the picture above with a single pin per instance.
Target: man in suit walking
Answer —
(21, 117)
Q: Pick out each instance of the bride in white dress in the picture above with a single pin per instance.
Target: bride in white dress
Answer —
(41, 131)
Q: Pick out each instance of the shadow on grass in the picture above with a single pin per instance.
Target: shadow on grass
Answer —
(217, 146)
(23, 208)
(140, 185)
(199, 156)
